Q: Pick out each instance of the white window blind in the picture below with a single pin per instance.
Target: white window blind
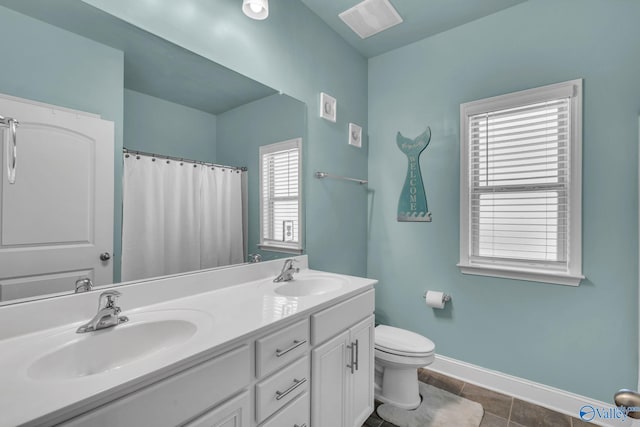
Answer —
(519, 182)
(519, 185)
(280, 187)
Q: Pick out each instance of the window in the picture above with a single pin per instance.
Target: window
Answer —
(280, 199)
(520, 185)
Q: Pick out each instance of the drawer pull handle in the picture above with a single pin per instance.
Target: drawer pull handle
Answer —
(303, 425)
(296, 384)
(295, 345)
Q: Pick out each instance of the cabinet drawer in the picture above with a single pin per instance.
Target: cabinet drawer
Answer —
(234, 413)
(281, 388)
(174, 400)
(336, 319)
(295, 414)
(281, 348)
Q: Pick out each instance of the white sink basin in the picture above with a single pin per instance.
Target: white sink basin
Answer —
(310, 285)
(91, 353)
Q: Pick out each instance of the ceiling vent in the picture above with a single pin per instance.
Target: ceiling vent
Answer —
(370, 17)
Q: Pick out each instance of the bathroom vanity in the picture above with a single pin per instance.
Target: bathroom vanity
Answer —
(250, 352)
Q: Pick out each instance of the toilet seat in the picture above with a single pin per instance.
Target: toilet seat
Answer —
(401, 342)
(403, 353)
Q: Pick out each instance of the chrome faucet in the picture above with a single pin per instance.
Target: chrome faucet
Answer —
(253, 258)
(287, 271)
(107, 315)
(84, 285)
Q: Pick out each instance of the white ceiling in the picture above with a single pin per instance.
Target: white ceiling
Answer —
(422, 18)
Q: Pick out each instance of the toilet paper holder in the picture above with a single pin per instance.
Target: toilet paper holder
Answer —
(445, 297)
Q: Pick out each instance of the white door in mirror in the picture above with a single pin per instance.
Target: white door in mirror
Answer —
(57, 218)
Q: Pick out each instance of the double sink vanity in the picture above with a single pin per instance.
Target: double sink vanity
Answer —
(226, 347)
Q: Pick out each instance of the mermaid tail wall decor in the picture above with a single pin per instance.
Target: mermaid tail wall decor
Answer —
(412, 206)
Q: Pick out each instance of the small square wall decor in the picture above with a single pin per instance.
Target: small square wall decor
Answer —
(328, 107)
(355, 135)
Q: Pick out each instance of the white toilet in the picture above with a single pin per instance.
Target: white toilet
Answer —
(399, 353)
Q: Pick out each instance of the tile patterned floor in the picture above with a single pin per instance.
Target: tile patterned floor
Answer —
(500, 410)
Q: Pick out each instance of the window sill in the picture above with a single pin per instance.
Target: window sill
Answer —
(284, 249)
(522, 274)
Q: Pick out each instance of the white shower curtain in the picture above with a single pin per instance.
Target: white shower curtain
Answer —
(179, 217)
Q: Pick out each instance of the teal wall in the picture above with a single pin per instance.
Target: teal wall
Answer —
(243, 130)
(158, 126)
(581, 339)
(84, 75)
(296, 53)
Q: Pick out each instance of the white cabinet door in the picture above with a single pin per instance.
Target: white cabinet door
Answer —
(342, 395)
(57, 218)
(361, 382)
(329, 382)
(234, 413)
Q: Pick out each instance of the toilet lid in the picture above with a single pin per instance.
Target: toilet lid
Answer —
(401, 341)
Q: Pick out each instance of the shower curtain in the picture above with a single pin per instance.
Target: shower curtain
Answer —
(179, 216)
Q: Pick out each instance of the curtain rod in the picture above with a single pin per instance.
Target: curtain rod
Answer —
(182, 159)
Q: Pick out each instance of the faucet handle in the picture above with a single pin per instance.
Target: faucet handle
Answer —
(288, 264)
(110, 296)
(84, 285)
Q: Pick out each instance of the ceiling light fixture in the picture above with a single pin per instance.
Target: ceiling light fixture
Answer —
(256, 9)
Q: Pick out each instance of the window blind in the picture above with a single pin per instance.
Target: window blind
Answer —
(519, 183)
(280, 194)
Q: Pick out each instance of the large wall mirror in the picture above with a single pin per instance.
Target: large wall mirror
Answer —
(172, 109)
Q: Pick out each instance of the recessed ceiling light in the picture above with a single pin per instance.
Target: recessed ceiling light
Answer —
(370, 17)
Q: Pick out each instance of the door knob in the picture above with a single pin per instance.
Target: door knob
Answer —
(628, 399)
(105, 256)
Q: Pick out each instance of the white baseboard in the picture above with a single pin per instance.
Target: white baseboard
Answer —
(549, 397)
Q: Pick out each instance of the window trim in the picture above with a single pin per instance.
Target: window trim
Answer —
(521, 270)
(274, 246)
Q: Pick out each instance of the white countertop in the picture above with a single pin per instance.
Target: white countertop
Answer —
(231, 313)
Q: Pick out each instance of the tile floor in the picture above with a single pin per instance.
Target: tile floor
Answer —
(500, 410)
